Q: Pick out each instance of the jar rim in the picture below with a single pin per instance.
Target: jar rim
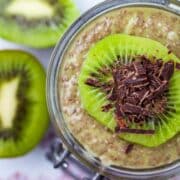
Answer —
(53, 100)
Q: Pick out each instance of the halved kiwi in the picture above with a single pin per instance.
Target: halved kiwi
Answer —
(125, 48)
(23, 111)
(36, 23)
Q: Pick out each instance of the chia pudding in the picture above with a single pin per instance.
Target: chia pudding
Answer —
(152, 23)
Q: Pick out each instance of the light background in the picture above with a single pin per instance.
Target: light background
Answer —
(35, 166)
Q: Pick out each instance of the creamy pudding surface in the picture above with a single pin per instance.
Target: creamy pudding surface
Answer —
(107, 146)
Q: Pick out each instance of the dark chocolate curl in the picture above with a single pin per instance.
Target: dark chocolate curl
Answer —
(129, 148)
(136, 131)
(178, 66)
(167, 71)
(140, 70)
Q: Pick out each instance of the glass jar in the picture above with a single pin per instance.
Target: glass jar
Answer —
(55, 67)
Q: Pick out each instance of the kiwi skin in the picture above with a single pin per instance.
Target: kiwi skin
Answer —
(36, 121)
(40, 36)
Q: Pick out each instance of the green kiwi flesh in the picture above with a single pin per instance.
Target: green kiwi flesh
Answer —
(23, 110)
(104, 54)
(36, 23)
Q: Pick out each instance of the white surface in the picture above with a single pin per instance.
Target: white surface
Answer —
(35, 164)
(84, 5)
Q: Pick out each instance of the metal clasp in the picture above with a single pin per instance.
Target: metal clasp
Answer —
(59, 156)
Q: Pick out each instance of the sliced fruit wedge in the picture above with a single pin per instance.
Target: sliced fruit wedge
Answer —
(36, 23)
(126, 47)
(23, 111)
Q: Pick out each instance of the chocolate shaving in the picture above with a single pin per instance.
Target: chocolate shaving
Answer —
(132, 100)
(167, 71)
(140, 70)
(156, 68)
(136, 131)
(131, 109)
(117, 128)
(178, 66)
(157, 92)
(112, 96)
(136, 81)
(119, 112)
(155, 82)
(134, 109)
(95, 82)
(129, 148)
(107, 107)
(143, 96)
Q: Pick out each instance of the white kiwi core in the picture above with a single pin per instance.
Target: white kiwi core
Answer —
(8, 102)
(30, 9)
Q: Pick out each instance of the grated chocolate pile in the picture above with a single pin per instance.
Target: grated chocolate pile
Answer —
(137, 91)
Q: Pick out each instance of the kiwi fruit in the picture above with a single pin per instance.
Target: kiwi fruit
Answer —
(125, 48)
(36, 23)
(23, 111)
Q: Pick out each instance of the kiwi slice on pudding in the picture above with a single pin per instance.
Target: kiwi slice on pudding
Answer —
(23, 111)
(150, 121)
(36, 23)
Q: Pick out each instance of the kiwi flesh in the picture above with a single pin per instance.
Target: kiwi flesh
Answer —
(35, 23)
(23, 111)
(126, 47)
